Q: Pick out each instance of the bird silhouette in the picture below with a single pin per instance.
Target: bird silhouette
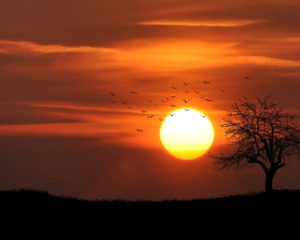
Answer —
(173, 105)
(163, 101)
(167, 99)
(139, 130)
(124, 102)
(161, 119)
(149, 101)
(186, 101)
(174, 87)
(185, 83)
(203, 116)
(247, 78)
(206, 82)
(222, 90)
(114, 102)
(172, 114)
(187, 109)
(186, 91)
(143, 111)
(113, 94)
(173, 96)
(129, 107)
(133, 92)
(197, 92)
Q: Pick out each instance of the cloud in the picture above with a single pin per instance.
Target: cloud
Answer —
(25, 47)
(212, 23)
(103, 23)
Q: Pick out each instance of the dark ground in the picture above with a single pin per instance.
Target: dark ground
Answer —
(252, 213)
(36, 201)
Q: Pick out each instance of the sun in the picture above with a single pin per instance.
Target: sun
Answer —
(187, 134)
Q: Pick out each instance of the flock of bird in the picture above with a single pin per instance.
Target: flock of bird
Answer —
(167, 99)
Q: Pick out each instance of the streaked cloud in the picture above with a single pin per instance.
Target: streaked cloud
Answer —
(23, 47)
(207, 23)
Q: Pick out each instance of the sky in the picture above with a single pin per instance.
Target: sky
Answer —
(60, 60)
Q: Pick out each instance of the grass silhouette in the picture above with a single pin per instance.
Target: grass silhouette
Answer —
(38, 199)
(218, 215)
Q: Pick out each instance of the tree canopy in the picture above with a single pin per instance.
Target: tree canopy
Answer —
(261, 133)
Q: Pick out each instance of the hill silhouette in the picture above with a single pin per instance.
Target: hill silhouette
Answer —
(35, 201)
(249, 214)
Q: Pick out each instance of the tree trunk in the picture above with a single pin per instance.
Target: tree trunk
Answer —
(269, 182)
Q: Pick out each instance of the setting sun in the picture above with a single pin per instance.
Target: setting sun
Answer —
(187, 134)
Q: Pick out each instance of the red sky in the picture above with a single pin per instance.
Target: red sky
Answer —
(59, 61)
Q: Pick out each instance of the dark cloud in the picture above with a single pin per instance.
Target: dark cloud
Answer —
(22, 113)
(107, 22)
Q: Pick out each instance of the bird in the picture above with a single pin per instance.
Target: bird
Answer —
(113, 94)
(129, 107)
(172, 114)
(163, 101)
(173, 96)
(186, 109)
(197, 92)
(173, 105)
(124, 102)
(186, 101)
(203, 116)
(139, 130)
(185, 83)
(150, 116)
(206, 82)
(149, 101)
(143, 111)
(208, 100)
(222, 90)
(186, 91)
(161, 119)
(167, 99)
(133, 92)
(174, 87)
(247, 78)
(114, 102)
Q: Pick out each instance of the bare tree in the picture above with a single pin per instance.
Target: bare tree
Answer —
(261, 133)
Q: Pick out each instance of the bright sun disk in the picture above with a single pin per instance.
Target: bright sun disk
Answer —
(187, 135)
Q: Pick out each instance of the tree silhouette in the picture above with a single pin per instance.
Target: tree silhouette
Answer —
(261, 133)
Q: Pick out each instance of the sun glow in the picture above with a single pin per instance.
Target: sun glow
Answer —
(187, 134)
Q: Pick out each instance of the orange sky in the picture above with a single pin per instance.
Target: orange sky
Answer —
(59, 61)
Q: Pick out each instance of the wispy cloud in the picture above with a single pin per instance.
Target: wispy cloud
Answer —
(206, 23)
(19, 47)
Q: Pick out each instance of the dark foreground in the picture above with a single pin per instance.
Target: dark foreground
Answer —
(250, 214)
(29, 212)
(35, 201)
